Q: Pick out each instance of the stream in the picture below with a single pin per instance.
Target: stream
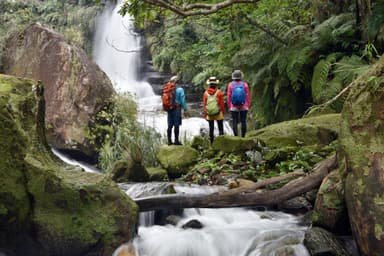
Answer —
(224, 232)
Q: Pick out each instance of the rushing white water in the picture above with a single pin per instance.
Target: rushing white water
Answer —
(85, 166)
(225, 232)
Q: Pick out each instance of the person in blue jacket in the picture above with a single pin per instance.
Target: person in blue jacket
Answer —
(175, 115)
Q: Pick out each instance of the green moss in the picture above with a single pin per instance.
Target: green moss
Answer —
(306, 131)
(230, 144)
(176, 159)
(70, 210)
(157, 174)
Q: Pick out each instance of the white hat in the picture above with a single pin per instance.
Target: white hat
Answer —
(174, 79)
(212, 80)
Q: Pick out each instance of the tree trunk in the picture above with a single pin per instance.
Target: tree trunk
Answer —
(363, 11)
(239, 197)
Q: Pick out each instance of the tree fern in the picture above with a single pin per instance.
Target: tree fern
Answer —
(320, 79)
(335, 31)
(376, 25)
(299, 61)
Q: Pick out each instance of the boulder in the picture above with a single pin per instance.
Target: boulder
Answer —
(362, 144)
(157, 174)
(176, 159)
(75, 88)
(128, 170)
(330, 211)
(46, 206)
(320, 242)
(320, 130)
(229, 144)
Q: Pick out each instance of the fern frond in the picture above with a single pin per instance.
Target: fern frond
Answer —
(376, 21)
(298, 60)
(320, 78)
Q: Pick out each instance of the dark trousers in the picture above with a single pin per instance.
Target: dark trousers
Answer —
(242, 117)
(212, 128)
(174, 121)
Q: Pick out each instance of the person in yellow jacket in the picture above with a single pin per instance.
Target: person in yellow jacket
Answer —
(213, 107)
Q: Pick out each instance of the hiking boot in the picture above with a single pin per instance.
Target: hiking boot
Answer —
(177, 143)
(170, 143)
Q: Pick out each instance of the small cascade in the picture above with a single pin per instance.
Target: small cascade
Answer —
(229, 232)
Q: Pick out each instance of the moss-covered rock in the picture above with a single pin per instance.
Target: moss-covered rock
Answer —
(305, 131)
(230, 144)
(128, 170)
(157, 174)
(63, 211)
(330, 211)
(200, 143)
(362, 144)
(15, 205)
(176, 159)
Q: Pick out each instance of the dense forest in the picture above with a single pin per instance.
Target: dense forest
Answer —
(300, 58)
(295, 54)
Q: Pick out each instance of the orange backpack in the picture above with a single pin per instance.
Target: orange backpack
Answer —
(168, 96)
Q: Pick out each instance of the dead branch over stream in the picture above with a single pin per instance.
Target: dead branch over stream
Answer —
(245, 196)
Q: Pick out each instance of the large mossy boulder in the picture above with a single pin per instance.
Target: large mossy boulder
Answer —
(362, 144)
(75, 88)
(46, 206)
(176, 159)
(320, 130)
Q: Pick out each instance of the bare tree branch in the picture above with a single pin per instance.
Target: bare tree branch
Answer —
(197, 8)
(118, 49)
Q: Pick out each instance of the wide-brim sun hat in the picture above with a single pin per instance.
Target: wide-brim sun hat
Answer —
(237, 74)
(174, 79)
(212, 80)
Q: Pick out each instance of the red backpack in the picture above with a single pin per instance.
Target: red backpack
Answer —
(168, 96)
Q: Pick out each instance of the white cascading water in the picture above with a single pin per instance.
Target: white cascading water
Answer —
(226, 232)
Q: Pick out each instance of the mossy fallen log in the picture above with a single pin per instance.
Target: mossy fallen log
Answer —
(239, 197)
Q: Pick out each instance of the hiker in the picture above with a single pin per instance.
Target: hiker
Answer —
(238, 101)
(173, 99)
(213, 107)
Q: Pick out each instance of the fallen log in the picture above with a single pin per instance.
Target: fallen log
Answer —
(242, 197)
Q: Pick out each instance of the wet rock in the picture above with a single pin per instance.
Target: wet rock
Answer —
(296, 205)
(320, 242)
(172, 219)
(194, 224)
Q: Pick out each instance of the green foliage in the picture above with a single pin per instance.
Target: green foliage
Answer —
(131, 139)
(375, 26)
(76, 22)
